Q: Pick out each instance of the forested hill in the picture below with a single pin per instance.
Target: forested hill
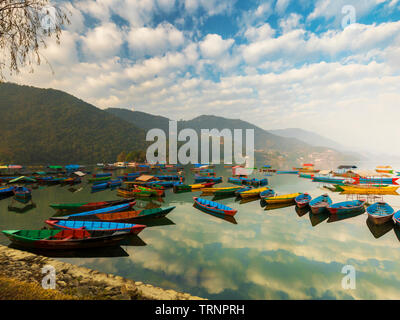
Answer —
(41, 126)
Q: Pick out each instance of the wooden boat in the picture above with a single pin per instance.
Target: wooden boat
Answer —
(320, 204)
(100, 186)
(287, 171)
(363, 190)
(253, 192)
(302, 200)
(213, 207)
(243, 189)
(267, 193)
(65, 239)
(396, 218)
(305, 175)
(346, 207)
(95, 225)
(379, 181)
(198, 179)
(114, 183)
(6, 191)
(22, 193)
(259, 182)
(221, 190)
(384, 169)
(380, 212)
(122, 217)
(151, 191)
(117, 208)
(99, 179)
(89, 206)
(101, 175)
(286, 198)
(334, 180)
(201, 185)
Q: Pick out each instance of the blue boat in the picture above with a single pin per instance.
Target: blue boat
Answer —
(303, 200)
(95, 225)
(6, 191)
(169, 177)
(118, 208)
(165, 184)
(100, 186)
(346, 207)
(114, 183)
(333, 180)
(238, 192)
(259, 182)
(213, 207)
(236, 181)
(100, 175)
(397, 217)
(267, 193)
(287, 172)
(320, 204)
(380, 212)
(207, 179)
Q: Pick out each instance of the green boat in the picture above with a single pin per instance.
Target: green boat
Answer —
(88, 206)
(226, 192)
(182, 188)
(99, 179)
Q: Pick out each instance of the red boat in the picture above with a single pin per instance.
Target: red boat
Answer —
(65, 239)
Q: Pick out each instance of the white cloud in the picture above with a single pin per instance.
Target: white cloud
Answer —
(281, 6)
(103, 41)
(213, 46)
(148, 41)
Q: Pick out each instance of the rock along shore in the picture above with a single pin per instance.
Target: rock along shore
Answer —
(81, 282)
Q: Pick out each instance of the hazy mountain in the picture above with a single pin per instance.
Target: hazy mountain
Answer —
(308, 137)
(49, 126)
(272, 145)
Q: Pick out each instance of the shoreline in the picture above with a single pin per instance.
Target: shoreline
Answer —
(80, 282)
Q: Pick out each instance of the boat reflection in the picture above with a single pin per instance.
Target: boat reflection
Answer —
(378, 230)
(106, 252)
(316, 219)
(396, 229)
(227, 218)
(23, 209)
(216, 198)
(302, 211)
(151, 222)
(278, 206)
(133, 241)
(248, 200)
(338, 217)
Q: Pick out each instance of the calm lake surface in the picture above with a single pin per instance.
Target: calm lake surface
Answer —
(267, 254)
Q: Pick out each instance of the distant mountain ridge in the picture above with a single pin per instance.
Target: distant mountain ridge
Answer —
(264, 140)
(42, 126)
(308, 137)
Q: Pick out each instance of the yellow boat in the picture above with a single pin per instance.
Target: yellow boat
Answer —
(253, 192)
(213, 190)
(388, 190)
(285, 198)
(197, 186)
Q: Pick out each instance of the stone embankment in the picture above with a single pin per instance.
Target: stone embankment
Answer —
(80, 282)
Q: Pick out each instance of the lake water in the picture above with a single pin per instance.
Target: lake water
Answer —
(267, 254)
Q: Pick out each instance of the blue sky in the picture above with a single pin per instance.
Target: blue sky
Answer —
(275, 63)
